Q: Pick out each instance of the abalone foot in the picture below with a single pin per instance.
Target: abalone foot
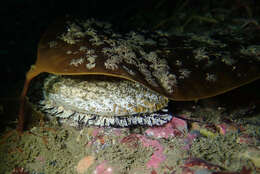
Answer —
(80, 119)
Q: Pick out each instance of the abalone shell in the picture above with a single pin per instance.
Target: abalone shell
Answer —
(99, 101)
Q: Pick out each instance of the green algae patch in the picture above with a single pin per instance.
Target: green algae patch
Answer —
(207, 114)
(222, 150)
(175, 155)
(126, 157)
(50, 147)
(41, 149)
(251, 127)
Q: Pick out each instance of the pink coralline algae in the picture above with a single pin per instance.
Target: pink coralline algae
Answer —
(97, 131)
(158, 157)
(131, 140)
(174, 128)
(103, 168)
(179, 124)
(189, 139)
(117, 131)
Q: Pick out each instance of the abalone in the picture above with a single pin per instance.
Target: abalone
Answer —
(99, 101)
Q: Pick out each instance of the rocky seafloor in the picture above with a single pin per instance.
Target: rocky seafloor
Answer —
(203, 138)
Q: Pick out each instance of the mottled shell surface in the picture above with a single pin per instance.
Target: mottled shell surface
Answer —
(104, 97)
(98, 100)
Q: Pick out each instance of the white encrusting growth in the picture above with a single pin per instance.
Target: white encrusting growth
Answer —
(184, 73)
(112, 62)
(178, 63)
(77, 61)
(155, 68)
(131, 72)
(69, 52)
(211, 77)
(91, 59)
(127, 49)
(82, 48)
(228, 60)
(53, 44)
(200, 54)
(91, 63)
(252, 50)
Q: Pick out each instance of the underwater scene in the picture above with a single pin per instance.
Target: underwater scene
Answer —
(108, 87)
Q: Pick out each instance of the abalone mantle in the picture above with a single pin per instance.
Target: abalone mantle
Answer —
(101, 101)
